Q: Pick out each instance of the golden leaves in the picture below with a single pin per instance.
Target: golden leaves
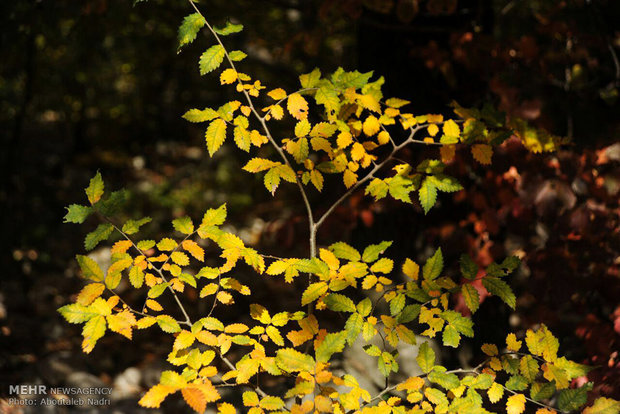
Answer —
(297, 106)
(482, 153)
(515, 404)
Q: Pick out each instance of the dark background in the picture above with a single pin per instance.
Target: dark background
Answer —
(98, 85)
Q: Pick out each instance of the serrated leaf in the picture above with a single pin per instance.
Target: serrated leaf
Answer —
(189, 28)
(433, 266)
(76, 313)
(426, 357)
(183, 225)
(77, 214)
(313, 292)
(515, 404)
(211, 59)
(230, 28)
(215, 135)
(297, 106)
(603, 405)
(372, 252)
(133, 226)
(427, 195)
(94, 191)
(445, 380)
(155, 396)
(237, 55)
(168, 324)
(495, 393)
(291, 360)
(339, 303)
(500, 288)
(90, 268)
(471, 297)
(331, 344)
(344, 251)
(101, 233)
(573, 398)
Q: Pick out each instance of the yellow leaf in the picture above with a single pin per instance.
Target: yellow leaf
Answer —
(357, 151)
(154, 305)
(277, 94)
(451, 129)
(195, 398)
(495, 393)
(383, 138)
(121, 246)
(192, 248)
(297, 106)
(183, 340)
(515, 404)
(302, 128)
(548, 411)
(228, 76)
(490, 349)
(349, 178)
(122, 323)
(236, 328)
(154, 397)
(512, 343)
(226, 408)
(482, 153)
(166, 244)
(89, 293)
(224, 297)
(330, 258)
(432, 130)
(317, 179)
(259, 164)
(411, 269)
(447, 153)
(180, 258)
(250, 399)
(369, 102)
(371, 126)
(276, 112)
(344, 139)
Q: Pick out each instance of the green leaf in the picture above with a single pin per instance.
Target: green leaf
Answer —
(291, 360)
(364, 307)
(353, 327)
(94, 191)
(102, 232)
(372, 252)
(445, 380)
(462, 324)
(469, 269)
(377, 188)
(215, 135)
(542, 391)
(426, 357)
(93, 330)
(112, 204)
(372, 350)
(517, 383)
(399, 188)
(445, 183)
(343, 251)
(500, 288)
(183, 225)
(332, 343)
(237, 55)
(427, 195)
(529, 367)
(310, 80)
(471, 296)
(603, 405)
(397, 304)
(76, 313)
(189, 28)
(157, 290)
(328, 97)
(573, 398)
(433, 266)
(386, 364)
(198, 115)
(451, 336)
(211, 59)
(409, 313)
(230, 28)
(339, 303)
(168, 324)
(136, 277)
(90, 268)
(133, 226)
(313, 292)
(77, 213)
